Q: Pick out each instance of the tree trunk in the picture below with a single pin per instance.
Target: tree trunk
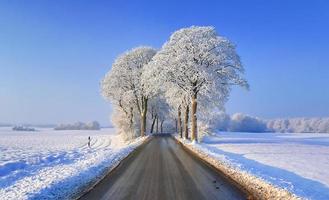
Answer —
(194, 128)
(176, 125)
(186, 122)
(179, 122)
(143, 122)
(131, 117)
(152, 126)
(157, 125)
(143, 117)
(161, 126)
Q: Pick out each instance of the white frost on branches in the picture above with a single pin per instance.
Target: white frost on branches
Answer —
(196, 59)
(299, 125)
(197, 65)
(245, 123)
(191, 75)
(94, 125)
(124, 87)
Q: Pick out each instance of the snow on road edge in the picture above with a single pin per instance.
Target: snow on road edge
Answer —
(70, 181)
(131, 148)
(259, 188)
(127, 151)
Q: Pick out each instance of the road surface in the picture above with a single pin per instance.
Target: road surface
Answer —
(163, 170)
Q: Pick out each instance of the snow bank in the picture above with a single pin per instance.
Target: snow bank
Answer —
(295, 162)
(245, 123)
(48, 165)
(255, 186)
(79, 126)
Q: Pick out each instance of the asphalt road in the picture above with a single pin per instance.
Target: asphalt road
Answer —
(163, 170)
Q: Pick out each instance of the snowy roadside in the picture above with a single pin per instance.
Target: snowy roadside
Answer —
(133, 145)
(62, 174)
(258, 188)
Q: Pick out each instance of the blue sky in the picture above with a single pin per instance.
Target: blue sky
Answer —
(54, 53)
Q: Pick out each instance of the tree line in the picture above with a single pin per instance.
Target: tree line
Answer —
(177, 87)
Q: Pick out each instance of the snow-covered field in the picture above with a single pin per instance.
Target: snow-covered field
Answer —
(297, 162)
(52, 164)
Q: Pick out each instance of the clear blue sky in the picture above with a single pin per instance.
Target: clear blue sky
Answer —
(54, 53)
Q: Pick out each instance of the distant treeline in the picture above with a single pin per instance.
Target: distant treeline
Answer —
(22, 128)
(244, 123)
(79, 126)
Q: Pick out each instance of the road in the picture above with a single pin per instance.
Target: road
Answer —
(163, 170)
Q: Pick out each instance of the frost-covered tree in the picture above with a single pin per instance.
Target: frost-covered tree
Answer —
(158, 112)
(192, 74)
(200, 63)
(152, 114)
(162, 113)
(176, 98)
(124, 87)
(299, 125)
(179, 101)
(94, 125)
(118, 92)
(241, 122)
